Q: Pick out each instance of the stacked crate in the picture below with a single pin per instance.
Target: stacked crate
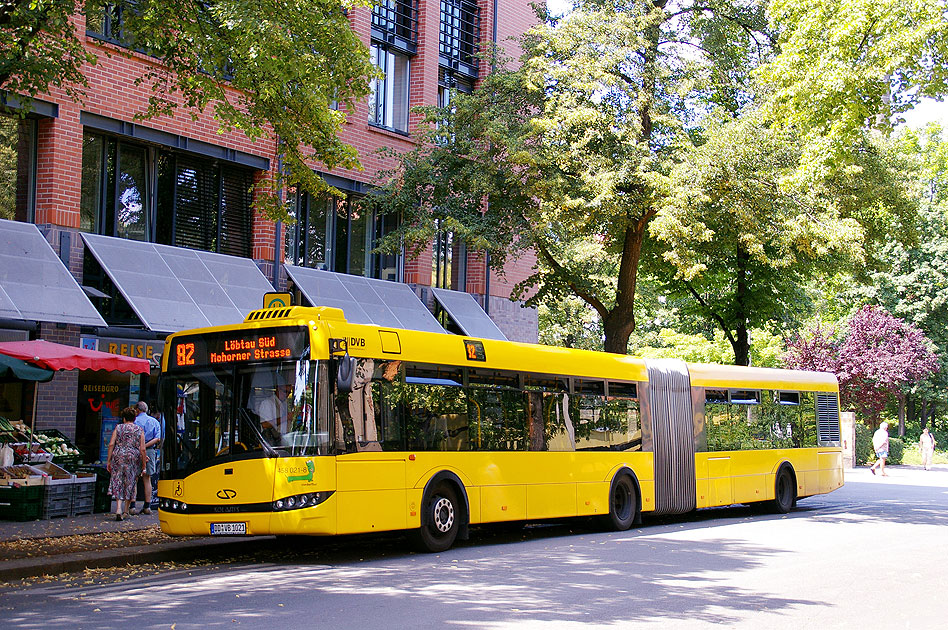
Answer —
(102, 502)
(83, 494)
(60, 484)
(21, 498)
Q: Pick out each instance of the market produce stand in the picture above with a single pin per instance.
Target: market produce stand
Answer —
(45, 478)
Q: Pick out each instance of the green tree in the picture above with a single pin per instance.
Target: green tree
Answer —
(743, 239)
(570, 153)
(846, 66)
(914, 286)
(570, 324)
(262, 67)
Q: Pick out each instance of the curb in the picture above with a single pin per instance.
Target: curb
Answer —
(122, 556)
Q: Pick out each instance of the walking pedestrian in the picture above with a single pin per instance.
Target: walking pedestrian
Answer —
(126, 462)
(926, 443)
(880, 444)
(152, 432)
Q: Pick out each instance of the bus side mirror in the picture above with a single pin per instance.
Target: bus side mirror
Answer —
(345, 370)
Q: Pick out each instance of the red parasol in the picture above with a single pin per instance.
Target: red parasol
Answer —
(56, 356)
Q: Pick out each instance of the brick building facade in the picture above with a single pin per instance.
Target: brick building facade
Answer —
(90, 168)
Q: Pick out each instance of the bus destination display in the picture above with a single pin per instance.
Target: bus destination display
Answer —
(243, 346)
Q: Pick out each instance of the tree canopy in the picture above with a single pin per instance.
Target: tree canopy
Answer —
(743, 238)
(262, 67)
(570, 152)
(876, 358)
(843, 66)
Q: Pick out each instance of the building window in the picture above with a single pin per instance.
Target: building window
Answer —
(145, 193)
(17, 168)
(460, 35)
(115, 198)
(335, 234)
(396, 22)
(448, 261)
(449, 84)
(203, 204)
(108, 24)
(388, 102)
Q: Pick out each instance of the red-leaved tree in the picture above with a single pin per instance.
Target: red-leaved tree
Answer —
(877, 358)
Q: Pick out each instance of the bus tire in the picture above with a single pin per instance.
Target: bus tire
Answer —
(623, 504)
(785, 486)
(440, 519)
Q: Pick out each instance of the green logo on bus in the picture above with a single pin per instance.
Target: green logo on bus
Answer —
(310, 467)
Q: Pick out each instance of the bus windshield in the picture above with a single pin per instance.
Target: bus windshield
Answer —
(244, 411)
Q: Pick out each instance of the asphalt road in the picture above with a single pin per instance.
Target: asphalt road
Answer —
(872, 554)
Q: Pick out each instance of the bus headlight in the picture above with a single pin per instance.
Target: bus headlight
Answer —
(298, 501)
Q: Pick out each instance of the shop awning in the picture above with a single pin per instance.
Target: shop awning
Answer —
(56, 356)
(172, 288)
(468, 314)
(35, 284)
(13, 369)
(365, 300)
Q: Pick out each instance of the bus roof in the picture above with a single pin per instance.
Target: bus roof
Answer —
(446, 349)
(724, 376)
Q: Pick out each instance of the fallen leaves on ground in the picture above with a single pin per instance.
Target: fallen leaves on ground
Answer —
(40, 547)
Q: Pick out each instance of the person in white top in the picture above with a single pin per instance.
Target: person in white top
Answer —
(273, 413)
(926, 443)
(880, 443)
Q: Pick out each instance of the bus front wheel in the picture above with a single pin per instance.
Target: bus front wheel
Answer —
(440, 519)
(622, 504)
(784, 491)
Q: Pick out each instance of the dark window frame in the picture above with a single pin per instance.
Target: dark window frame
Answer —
(459, 35)
(298, 234)
(24, 202)
(385, 87)
(395, 24)
(104, 220)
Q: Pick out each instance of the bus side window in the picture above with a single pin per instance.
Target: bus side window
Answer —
(355, 412)
(808, 419)
(561, 434)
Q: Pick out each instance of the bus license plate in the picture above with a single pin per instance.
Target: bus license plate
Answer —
(228, 529)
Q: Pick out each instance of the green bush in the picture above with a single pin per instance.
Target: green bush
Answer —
(896, 450)
(864, 452)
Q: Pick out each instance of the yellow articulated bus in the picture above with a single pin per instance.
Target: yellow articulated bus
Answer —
(297, 422)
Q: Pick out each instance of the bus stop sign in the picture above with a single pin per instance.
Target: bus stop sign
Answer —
(277, 300)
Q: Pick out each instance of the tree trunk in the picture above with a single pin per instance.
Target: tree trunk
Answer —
(901, 415)
(910, 408)
(923, 421)
(617, 332)
(741, 346)
(619, 322)
(740, 341)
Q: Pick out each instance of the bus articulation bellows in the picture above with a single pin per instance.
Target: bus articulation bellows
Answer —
(298, 422)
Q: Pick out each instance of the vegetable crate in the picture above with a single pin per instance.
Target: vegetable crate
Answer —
(63, 451)
(21, 503)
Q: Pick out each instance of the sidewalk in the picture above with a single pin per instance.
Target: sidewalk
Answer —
(64, 545)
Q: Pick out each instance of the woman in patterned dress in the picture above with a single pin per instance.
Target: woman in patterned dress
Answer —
(126, 461)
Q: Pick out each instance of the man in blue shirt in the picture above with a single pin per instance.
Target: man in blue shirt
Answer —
(152, 429)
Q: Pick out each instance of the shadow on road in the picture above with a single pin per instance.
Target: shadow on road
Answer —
(554, 573)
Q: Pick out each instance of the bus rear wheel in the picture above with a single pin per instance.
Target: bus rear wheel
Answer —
(784, 491)
(440, 519)
(622, 504)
